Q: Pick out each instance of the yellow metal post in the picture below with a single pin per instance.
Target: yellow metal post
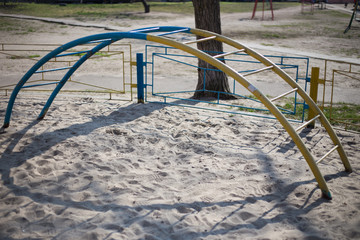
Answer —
(314, 82)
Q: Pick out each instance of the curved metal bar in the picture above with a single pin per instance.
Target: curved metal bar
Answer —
(324, 121)
(114, 36)
(69, 73)
(243, 81)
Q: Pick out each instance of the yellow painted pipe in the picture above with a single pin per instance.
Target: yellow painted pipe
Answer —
(272, 108)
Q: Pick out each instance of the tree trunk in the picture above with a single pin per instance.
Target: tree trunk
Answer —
(146, 6)
(207, 17)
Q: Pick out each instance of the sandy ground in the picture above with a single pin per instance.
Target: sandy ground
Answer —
(102, 169)
(111, 170)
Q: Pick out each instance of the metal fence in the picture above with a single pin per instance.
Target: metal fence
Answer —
(172, 76)
(107, 72)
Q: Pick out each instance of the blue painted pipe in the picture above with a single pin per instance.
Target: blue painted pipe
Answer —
(113, 36)
(68, 75)
(140, 77)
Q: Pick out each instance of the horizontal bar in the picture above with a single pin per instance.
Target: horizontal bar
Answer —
(99, 41)
(284, 94)
(259, 70)
(53, 70)
(38, 85)
(327, 154)
(145, 29)
(72, 53)
(200, 40)
(228, 53)
(173, 32)
(92, 85)
(306, 123)
(217, 110)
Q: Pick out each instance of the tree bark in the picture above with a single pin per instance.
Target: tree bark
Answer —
(207, 17)
(146, 6)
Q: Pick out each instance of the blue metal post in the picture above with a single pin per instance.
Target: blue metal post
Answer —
(140, 77)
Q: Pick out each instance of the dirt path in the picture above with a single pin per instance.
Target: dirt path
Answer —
(291, 34)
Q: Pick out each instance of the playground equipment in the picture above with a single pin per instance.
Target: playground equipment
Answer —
(354, 15)
(118, 80)
(158, 35)
(156, 56)
(263, 10)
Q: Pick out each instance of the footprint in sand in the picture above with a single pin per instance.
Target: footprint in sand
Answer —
(114, 227)
(13, 201)
(44, 170)
(42, 162)
(246, 215)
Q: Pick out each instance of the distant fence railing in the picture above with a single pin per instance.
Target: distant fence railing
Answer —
(347, 74)
(109, 71)
(159, 58)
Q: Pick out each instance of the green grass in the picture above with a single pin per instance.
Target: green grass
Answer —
(342, 113)
(25, 57)
(116, 10)
(288, 104)
(280, 26)
(18, 26)
(335, 14)
(273, 35)
(267, 44)
(34, 56)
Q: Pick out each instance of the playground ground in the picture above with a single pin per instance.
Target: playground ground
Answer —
(100, 169)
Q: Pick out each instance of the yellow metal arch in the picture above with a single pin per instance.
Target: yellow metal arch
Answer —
(266, 101)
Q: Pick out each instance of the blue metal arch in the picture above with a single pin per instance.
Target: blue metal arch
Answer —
(104, 40)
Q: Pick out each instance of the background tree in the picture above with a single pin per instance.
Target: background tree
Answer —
(146, 6)
(207, 17)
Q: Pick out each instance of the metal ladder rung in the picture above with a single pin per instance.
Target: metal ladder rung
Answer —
(53, 70)
(99, 41)
(200, 40)
(259, 70)
(70, 54)
(284, 94)
(306, 123)
(327, 154)
(145, 29)
(177, 31)
(228, 53)
(41, 84)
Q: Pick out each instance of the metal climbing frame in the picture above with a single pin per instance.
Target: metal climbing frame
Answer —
(263, 9)
(354, 15)
(298, 67)
(152, 34)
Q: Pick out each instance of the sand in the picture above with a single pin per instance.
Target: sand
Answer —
(96, 169)
(106, 169)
